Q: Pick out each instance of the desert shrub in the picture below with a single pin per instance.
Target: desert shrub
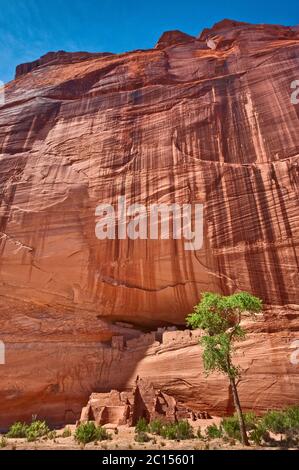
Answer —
(181, 430)
(184, 430)
(17, 431)
(155, 426)
(66, 433)
(251, 420)
(292, 417)
(213, 432)
(258, 434)
(142, 437)
(231, 427)
(52, 435)
(36, 430)
(89, 432)
(274, 421)
(199, 434)
(142, 426)
(168, 431)
(282, 421)
(3, 442)
(32, 432)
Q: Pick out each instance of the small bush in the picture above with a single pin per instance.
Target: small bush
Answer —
(17, 431)
(177, 431)
(36, 430)
(52, 435)
(169, 431)
(213, 432)
(199, 435)
(184, 430)
(142, 437)
(259, 434)
(89, 432)
(66, 433)
(231, 427)
(251, 420)
(155, 426)
(142, 426)
(32, 432)
(274, 421)
(292, 417)
(3, 442)
(282, 421)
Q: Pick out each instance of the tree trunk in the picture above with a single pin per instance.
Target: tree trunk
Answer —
(244, 436)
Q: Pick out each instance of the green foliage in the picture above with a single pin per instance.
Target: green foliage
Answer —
(231, 427)
(66, 433)
(274, 421)
(278, 422)
(181, 430)
(32, 432)
(220, 318)
(213, 432)
(17, 431)
(216, 314)
(184, 430)
(282, 421)
(142, 437)
(3, 442)
(258, 434)
(251, 420)
(52, 435)
(155, 427)
(36, 430)
(292, 416)
(89, 432)
(217, 353)
(142, 426)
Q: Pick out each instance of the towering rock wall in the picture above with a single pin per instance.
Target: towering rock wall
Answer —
(195, 120)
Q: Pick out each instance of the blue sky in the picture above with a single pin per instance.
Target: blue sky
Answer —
(30, 28)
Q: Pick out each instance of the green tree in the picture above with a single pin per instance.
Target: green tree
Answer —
(220, 317)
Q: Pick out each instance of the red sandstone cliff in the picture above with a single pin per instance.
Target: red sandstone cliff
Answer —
(180, 123)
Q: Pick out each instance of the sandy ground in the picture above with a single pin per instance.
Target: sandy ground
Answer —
(124, 440)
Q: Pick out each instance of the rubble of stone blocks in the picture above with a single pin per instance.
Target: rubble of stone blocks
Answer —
(126, 408)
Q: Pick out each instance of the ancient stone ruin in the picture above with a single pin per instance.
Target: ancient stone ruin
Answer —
(126, 408)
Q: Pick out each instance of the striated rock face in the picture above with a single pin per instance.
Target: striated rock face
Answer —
(180, 123)
(57, 58)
